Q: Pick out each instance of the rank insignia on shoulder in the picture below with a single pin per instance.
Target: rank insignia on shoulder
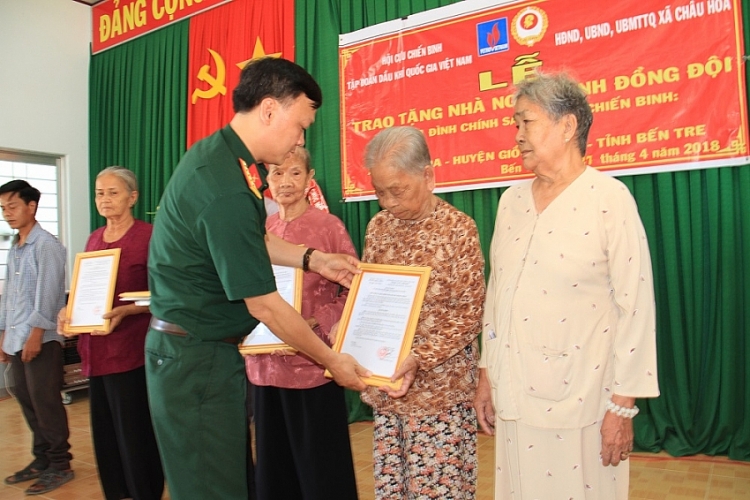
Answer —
(252, 177)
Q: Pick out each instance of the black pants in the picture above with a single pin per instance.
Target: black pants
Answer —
(302, 444)
(37, 386)
(124, 441)
(251, 494)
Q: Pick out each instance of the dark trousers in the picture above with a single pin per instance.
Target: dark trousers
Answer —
(302, 444)
(124, 441)
(250, 463)
(196, 393)
(37, 386)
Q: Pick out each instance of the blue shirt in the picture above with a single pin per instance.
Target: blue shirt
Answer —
(34, 289)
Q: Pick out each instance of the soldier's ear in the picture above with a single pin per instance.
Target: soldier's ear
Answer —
(267, 108)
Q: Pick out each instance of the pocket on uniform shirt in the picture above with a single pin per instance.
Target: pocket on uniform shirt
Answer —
(492, 356)
(546, 372)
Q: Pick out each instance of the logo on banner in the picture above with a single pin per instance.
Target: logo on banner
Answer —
(492, 36)
(217, 82)
(529, 25)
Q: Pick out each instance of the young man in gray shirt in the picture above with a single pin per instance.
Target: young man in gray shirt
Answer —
(34, 293)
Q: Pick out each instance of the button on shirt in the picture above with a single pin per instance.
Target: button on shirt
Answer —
(34, 289)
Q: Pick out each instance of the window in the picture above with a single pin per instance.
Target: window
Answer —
(41, 171)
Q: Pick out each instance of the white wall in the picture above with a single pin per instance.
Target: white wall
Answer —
(44, 68)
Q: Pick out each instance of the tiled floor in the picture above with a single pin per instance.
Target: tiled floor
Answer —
(653, 477)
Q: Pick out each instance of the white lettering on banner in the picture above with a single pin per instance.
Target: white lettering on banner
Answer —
(647, 67)
(565, 37)
(597, 31)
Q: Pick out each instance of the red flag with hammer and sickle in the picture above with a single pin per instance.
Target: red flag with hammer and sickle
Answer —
(222, 41)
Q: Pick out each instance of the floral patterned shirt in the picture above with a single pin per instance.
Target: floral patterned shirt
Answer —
(445, 342)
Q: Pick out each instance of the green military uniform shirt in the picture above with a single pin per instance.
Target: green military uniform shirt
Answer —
(208, 249)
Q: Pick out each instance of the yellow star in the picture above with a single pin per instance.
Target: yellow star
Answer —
(258, 52)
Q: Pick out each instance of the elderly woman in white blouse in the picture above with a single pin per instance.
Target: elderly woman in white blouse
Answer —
(569, 326)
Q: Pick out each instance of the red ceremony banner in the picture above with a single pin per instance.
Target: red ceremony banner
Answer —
(222, 41)
(665, 83)
(117, 21)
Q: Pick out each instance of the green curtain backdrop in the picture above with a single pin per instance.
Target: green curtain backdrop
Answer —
(138, 112)
(697, 221)
(699, 235)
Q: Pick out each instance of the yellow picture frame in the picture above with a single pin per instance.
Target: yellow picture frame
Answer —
(404, 287)
(92, 290)
(261, 340)
(138, 298)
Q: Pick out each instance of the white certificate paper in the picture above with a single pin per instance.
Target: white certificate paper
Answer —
(92, 290)
(93, 285)
(288, 284)
(379, 320)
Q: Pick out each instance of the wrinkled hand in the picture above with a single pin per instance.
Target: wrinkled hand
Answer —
(63, 322)
(408, 370)
(333, 334)
(617, 439)
(31, 348)
(115, 317)
(483, 404)
(347, 372)
(336, 267)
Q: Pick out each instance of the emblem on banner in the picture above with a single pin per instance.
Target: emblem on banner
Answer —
(492, 36)
(529, 25)
(252, 177)
(217, 82)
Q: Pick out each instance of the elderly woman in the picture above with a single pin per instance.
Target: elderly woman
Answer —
(569, 327)
(302, 447)
(124, 443)
(425, 433)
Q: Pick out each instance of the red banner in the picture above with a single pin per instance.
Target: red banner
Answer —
(117, 21)
(665, 82)
(222, 41)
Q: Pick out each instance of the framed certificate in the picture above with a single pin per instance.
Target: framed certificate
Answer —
(92, 290)
(289, 285)
(380, 317)
(138, 298)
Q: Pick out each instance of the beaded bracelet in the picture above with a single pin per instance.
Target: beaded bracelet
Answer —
(622, 411)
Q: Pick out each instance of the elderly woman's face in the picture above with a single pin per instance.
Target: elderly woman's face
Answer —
(540, 139)
(288, 181)
(405, 195)
(112, 197)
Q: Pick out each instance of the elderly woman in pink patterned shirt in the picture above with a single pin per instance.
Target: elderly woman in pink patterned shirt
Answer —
(302, 433)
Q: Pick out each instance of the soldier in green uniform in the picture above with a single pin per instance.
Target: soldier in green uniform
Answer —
(211, 282)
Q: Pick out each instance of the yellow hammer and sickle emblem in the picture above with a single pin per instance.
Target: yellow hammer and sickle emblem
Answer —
(217, 84)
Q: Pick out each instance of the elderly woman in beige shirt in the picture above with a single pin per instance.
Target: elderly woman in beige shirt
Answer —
(569, 328)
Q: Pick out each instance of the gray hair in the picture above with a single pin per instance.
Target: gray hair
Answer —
(401, 147)
(559, 95)
(127, 176)
(304, 155)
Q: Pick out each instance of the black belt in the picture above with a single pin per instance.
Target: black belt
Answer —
(172, 329)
